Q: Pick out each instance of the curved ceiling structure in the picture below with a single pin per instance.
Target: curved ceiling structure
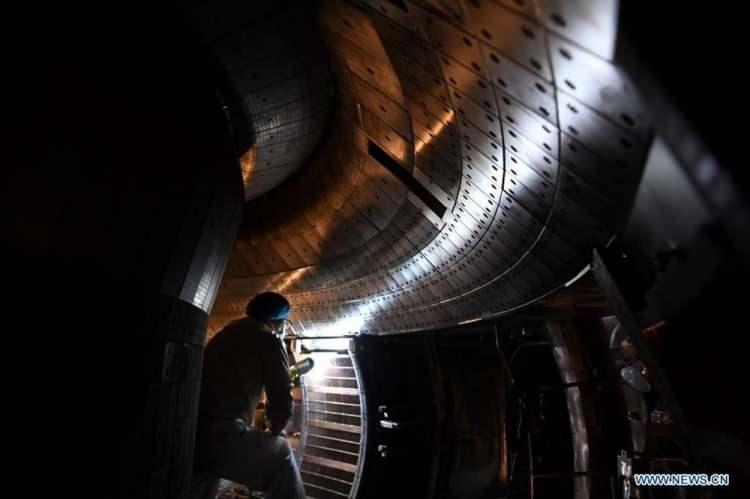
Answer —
(479, 150)
(408, 166)
(276, 63)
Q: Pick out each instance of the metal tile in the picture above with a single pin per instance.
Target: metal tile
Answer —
(530, 201)
(590, 24)
(426, 211)
(433, 164)
(421, 77)
(611, 179)
(390, 112)
(388, 184)
(490, 148)
(441, 111)
(448, 39)
(601, 137)
(488, 182)
(523, 183)
(332, 235)
(406, 18)
(468, 110)
(288, 253)
(469, 83)
(471, 206)
(536, 129)
(399, 148)
(569, 218)
(558, 254)
(600, 85)
(436, 140)
(398, 38)
(510, 78)
(519, 38)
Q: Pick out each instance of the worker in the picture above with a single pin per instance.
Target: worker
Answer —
(240, 361)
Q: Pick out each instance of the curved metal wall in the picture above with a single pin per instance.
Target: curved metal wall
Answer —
(518, 123)
(276, 62)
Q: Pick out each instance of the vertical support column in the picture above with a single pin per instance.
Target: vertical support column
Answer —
(163, 438)
(173, 335)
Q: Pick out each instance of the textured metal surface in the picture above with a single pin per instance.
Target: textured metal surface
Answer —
(334, 429)
(275, 60)
(512, 117)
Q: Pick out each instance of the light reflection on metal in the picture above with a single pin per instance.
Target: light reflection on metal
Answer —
(247, 165)
(335, 329)
(317, 375)
(335, 431)
(535, 142)
(570, 372)
(288, 279)
(582, 273)
(469, 321)
(444, 121)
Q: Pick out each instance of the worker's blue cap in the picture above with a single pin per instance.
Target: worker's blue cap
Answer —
(268, 306)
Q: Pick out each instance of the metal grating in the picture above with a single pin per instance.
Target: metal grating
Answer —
(334, 433)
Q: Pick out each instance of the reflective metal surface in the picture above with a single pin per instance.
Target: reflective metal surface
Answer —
(275, 60)
(513, 118)
(335, 429)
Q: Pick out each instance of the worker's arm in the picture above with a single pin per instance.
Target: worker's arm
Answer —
(276, 381)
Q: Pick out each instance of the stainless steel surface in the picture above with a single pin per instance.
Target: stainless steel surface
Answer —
(277, 63)
(335, 425)
(514, 119)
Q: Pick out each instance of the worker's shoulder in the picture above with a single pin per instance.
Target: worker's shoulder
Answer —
(243, 323)
(244, 330)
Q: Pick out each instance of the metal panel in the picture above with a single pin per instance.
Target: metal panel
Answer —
(488, 182)
(601, 136)
(590, 24)
(419, 76)
(468, 110)
(426, 181)
(589, 200)
(404, 40)
(490, 148)
(431, 105)
(386, 109)
(398, 147)
(469, 83)
(536, 129)
(514, 36)
(509, 77)
(569, 218)
(404, 17)
(600, 85)
(529, 188)
(288, 253)
(450, 40)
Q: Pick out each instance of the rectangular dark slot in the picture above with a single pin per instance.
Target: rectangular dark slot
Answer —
(406, 178)
(400, 4)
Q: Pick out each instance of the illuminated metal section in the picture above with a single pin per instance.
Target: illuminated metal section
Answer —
(276, 61)
(518, 123)
(335, 426)
(342, 200)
